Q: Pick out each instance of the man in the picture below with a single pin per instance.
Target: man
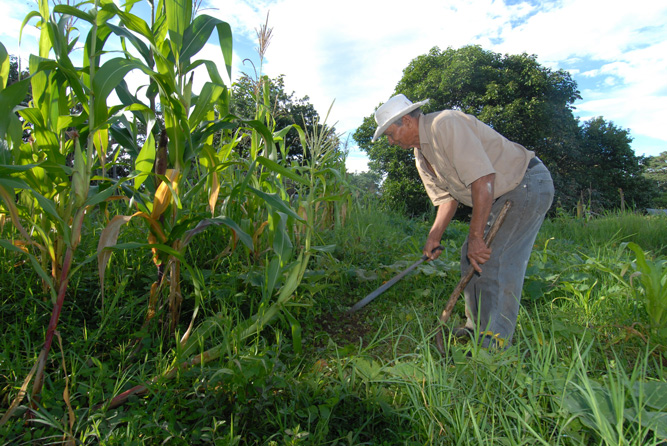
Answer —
(462, 160)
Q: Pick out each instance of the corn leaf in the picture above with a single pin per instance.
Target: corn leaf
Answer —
(108, 76)
(108, 238)
(133, 22)
(4, 66)
(276, 203)
(165, 193)
(282, 244)
(144, 162)
(74, 12)
(295, 327)
(137, 43)
(209, 95)
(179, 15)
(196, 35)
(10, 97)
(231, 224)
(277, 168)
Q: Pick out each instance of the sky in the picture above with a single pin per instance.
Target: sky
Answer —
(348, 55)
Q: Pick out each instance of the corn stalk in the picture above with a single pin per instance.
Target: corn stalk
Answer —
(46, 186)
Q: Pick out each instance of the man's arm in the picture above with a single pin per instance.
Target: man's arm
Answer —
(442, 218)
(482, 200)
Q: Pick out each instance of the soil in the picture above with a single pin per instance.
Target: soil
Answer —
(343, 328)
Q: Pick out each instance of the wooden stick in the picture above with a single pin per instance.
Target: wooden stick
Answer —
(453, 298)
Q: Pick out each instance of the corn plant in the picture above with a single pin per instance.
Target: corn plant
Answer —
(45, 179)
(652, 289)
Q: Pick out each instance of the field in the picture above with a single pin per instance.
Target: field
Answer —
(176, 268)
(588, 365)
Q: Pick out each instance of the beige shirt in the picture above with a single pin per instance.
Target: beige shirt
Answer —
(457, 149)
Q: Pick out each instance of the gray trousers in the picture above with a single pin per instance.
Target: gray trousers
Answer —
(492, 298)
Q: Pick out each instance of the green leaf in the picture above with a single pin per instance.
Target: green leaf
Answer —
(10, 97)
(107, 77)
(212, 69)
(145, 160)
(296, 332)
(231, 224)
(276, 203)
(99, 197)
(9, 169)
(275, 167)
(272, 273)
(136, 42)
(282, 245)
(160, 247)
(4, 66)
(655, 393)
(179, 15)
(123, 137)
(196, 35)
(136, 24)
(205, 102)
(74, 12)
(226, 45)
(48, 206)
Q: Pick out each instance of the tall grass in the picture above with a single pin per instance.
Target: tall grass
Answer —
(648, 231)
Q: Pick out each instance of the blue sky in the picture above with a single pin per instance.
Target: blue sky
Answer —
(351, 53)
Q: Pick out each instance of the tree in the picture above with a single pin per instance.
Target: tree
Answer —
(515, 95)
(365, 183)
(610, 169)
(286, 110)
(656, 172)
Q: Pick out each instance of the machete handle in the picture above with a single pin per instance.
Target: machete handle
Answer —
(439, 247)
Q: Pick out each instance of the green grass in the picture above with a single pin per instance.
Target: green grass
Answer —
(585, 368)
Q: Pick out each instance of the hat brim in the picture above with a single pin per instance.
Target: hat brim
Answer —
(382, 128)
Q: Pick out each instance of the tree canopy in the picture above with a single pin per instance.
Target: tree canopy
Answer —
(286, 110)
(656, 172)
(527, 103)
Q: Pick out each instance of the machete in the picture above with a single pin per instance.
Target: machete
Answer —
(362, 303)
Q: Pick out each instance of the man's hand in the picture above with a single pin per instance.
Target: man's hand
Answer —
(478, 253)
(442, 218)
(432, 249)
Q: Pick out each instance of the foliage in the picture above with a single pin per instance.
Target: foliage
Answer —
(652, 278)
(656, 171)
(185, 179)
(366, 184)
(285, 110)
(527, 103)
(606, 154)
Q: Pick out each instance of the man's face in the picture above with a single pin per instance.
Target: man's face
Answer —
(397, 136)
(401, 136)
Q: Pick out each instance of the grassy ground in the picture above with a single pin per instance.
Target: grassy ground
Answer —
(588, 365)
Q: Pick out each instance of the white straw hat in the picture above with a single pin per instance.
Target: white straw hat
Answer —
(390, 111)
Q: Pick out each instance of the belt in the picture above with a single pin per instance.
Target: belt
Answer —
(533, 162)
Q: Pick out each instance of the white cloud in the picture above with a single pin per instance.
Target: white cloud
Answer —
(354, 52)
